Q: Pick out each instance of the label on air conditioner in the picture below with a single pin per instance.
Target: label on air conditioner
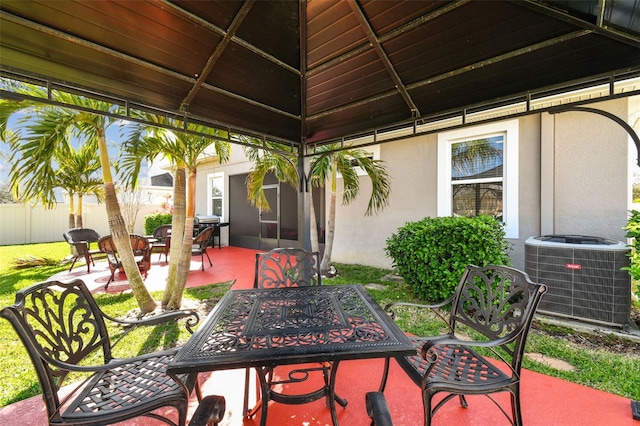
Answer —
(574, 266)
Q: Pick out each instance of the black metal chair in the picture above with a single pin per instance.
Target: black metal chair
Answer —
(163, 236)
(378, 409)
(81, 239)
(65, 334)
(201, 243)
(495, 307)
(141, 252)
(287, 267)
(210, 411)
(282, 268)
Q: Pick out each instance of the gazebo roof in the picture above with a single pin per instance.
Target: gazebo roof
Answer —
(318, 70)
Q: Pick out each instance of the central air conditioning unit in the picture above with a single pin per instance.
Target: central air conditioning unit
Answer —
(583, 275)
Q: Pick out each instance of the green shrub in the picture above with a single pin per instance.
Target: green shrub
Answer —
(431, 254)
(633, 231)
(152, 221)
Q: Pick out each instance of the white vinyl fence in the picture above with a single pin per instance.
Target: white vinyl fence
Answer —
(25, 224)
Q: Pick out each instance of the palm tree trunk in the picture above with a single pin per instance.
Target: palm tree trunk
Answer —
(119, 231)
(72, 214)
(79, 222)
(325, 265)
(177, 231)
(184, 265)
(313, 232)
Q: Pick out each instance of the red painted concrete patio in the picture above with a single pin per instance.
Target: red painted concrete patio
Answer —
(545, 400)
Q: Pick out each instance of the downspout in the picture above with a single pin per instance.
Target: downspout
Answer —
(620, 121)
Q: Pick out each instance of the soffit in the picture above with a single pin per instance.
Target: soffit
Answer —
(319, 70)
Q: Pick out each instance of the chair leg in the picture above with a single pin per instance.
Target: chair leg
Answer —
(426, 400)
(245, 407)
(515, 407)
(202, 255)
(463, 401)
(88, 260)
(113, 271)
(73, 263)
(182, 413)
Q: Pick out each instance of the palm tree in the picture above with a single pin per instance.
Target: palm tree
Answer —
(77, 175)
(48, 139)
(328, 162)
(185, 152)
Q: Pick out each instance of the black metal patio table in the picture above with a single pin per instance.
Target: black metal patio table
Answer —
(264, 328)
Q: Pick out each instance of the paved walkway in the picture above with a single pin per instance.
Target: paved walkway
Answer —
(545, 400)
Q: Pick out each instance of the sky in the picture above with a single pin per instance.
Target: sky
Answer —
(114, 139)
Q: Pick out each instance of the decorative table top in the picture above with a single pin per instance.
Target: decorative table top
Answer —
(262, 327)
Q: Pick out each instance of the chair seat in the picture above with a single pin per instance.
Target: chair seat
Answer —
(455, 365)
(139, 386)
(160, 247)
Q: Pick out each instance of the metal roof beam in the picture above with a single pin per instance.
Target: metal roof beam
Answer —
(459, 113)
(395, 32)
(375, 43)
(459, 71)
(127, 107)
(91, 45)
(116, 54)
(599, 28)
(250, 47)
(217, 53)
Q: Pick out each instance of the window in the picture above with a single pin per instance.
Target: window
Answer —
(215, 189)
(478, 169)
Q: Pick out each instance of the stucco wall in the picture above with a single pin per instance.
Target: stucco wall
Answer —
(591, 175)
(529, 187)
(573, 178)
(412, 166)
(582, 181)
(237, 164)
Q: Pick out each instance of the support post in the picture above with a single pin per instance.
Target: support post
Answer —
(304, 198)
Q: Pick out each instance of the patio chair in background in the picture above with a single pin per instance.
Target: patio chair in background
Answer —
(141, 251)
(81, 239)
(287, 267)
(282, 268)
(63, 330)
(163, 234)
(494, 305)
(201, 243)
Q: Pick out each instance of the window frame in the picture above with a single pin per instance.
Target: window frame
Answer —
(510, 175)
(210, 178)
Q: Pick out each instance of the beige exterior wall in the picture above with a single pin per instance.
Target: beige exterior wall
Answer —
(412, 166)
(574, 183)
(237, 164)
(584, 180)
(573, 178)
(528, 186)
(590, 174)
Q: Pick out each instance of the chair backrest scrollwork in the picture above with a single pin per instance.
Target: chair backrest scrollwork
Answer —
(58, 323)
(287, 267)
(498, 302)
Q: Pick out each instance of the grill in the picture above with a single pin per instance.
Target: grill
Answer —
(202, 222)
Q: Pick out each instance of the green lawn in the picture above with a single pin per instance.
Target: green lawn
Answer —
(599, 369)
